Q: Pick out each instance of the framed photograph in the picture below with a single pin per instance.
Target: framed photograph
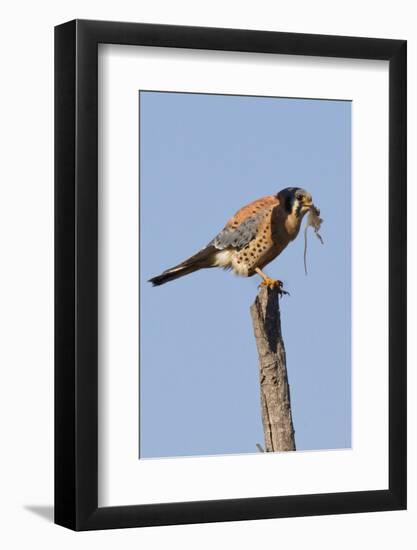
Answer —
(230, 252)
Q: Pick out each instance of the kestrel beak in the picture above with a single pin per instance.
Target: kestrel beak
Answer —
(307, 202)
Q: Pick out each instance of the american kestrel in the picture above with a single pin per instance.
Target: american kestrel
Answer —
(252, 238)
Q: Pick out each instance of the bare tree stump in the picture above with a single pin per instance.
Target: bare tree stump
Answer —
(275, 390)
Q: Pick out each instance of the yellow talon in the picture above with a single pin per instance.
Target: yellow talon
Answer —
(271, 283)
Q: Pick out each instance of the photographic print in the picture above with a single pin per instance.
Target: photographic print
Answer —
(245, 274)
(217, 271)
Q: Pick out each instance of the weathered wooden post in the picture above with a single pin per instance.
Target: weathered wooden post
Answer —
(275, 390)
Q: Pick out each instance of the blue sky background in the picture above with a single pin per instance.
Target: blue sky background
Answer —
(202, 157)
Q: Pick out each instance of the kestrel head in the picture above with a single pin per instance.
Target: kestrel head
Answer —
(296, 200)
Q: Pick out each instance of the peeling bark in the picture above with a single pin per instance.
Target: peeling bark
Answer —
(275, 390)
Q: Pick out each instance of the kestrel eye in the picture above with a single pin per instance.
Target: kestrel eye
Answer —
(299, 197)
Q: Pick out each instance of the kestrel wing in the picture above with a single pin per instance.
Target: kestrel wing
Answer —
(244, 225)
(237, 237)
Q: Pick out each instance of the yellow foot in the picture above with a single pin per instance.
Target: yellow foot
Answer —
(273, 283)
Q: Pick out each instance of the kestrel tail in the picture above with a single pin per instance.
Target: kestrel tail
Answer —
(252, 238)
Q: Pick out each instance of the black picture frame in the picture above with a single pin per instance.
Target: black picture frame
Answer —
(76, 272)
